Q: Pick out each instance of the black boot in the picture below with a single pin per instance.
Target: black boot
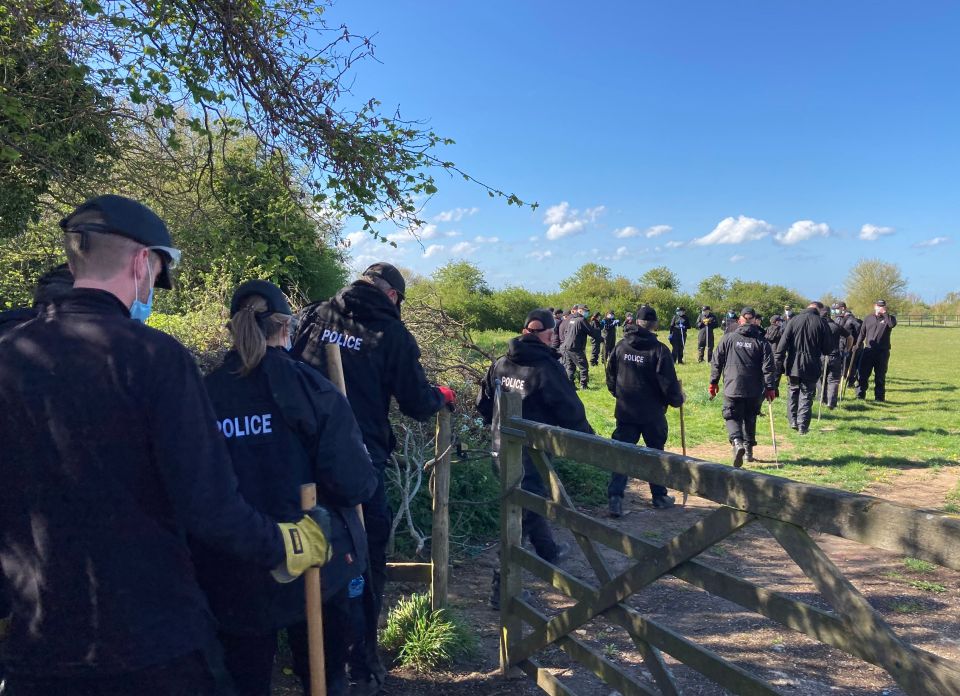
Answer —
(749, 452)
(616, 506)
(739, 449)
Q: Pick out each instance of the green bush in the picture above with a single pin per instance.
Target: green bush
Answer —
(423, 638)
(586, 484)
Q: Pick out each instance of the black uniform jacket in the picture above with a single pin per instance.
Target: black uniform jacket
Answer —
(745, 359)
(640, 374)
(531, 368)
(110, 456)
(12, 318)
(805, 340)
(609, 329)
(773, 334)
(285, 425)
(838, 336)
(381, 359)
(576, 332)
(851, 324)
(706, 321)
(678, 328)
(875, 331)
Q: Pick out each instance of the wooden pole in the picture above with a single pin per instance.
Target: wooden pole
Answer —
(440, 535)
(335, 375)
(823, 387)
(510, 456)
(318, 668)
(683, 439)
(773, 434)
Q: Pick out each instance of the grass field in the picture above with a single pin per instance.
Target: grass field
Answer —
(860, 443)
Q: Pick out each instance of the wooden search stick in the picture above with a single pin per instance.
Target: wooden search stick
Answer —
(683, 439)
(335, 375)
(318, 665)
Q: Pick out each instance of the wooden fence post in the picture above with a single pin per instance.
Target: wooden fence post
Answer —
(440, 536)
(510, 455)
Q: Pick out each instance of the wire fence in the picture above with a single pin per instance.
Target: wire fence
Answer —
(946, 320)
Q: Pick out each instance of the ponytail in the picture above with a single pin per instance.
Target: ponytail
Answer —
(251, 326)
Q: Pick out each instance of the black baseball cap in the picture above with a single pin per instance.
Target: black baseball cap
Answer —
(705, 308)
(880, 303)
(56, 282)
(111, 214)
(276, 302)
(646, 313)
(388, 273)
(544, 316)
(841, 305)
(748, 312)
(776, 317)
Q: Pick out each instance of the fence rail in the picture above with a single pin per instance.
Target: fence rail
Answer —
(787, 509)
(947, 320)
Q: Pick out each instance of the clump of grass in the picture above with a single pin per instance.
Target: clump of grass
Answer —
(917, 565)
(927, 586)
(423, 638)
(908, 607)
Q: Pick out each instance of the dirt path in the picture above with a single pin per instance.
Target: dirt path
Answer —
(922, 605)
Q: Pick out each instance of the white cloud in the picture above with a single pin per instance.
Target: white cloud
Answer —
(427, 232)
(480, 239)
(463, 248)
(736, 231)
(540, 255)
(626, 232)
(455, 215)
(871, 233)
(433, 250)
(451, 233)
(673, 244)
(564, 221)
(355, 239)
(736, 258)
(802, 230)
(657, 230)
(936, 241)
(534, 238)
(618, 255)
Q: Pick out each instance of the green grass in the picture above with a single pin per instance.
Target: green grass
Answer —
(917, 565)
(424, 639)
(860, 443)
(927, 586)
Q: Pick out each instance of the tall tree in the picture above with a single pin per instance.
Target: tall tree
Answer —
(872, 279)
(661, 278)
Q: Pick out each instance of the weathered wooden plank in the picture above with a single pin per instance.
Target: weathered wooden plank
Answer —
(911, 674)
(704, 533)
(559, 494)
(510, 456)
(704, 661)
(798, 616)
(924, 534)
(440, 531)
(611, 674)
(656, 666)
(409, 572)
(545, 680)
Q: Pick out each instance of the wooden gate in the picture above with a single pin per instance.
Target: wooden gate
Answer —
(788, 509)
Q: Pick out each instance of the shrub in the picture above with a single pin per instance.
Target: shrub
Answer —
(423, 638)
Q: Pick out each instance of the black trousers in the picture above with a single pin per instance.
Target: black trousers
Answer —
(608, 347)
(677, 350)
(595, 350)
(654, 436)
(705, 342)
(800, 396)
(377, 517)
(189, 675)
(873, 360)
(576, 360)
(343, 622)
(740, 416)
(834, 375)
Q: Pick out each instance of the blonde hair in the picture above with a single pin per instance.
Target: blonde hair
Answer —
(251, 328)
(97, 255)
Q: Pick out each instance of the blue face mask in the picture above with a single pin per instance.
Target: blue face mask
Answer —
(139, 311)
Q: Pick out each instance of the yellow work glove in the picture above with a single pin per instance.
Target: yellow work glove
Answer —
(306, 544)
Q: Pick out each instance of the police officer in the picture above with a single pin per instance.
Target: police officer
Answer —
(706, 323)
(744, 359)
(833, 361)
(678, 334)
(56, 282)
(848, 320)
(874, 344)
(111, 456)
(530, 367)
(730, 322)
(608, 328)
(381, 359)
(575, 332)
(596, 339)
(643, 380)
(806, 339)
(558, 317)
(285, 425)
(774, 331)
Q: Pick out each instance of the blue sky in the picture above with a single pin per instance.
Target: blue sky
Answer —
(769, 141)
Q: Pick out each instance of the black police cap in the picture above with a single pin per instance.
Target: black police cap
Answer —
(388, 273)
(111, 214)
(748, 312)
(276, 302)
(646, 313)
(544, 316)
(880, 303)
